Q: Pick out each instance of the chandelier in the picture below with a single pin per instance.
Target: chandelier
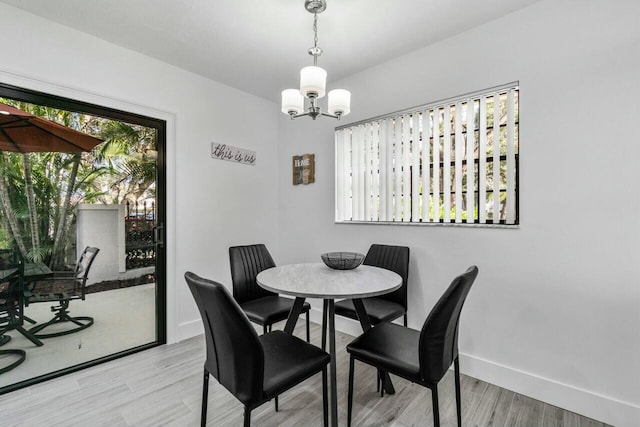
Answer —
(313, 81)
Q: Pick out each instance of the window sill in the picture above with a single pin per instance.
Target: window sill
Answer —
(432, 224)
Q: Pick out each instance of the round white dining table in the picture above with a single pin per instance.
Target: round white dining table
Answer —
(316, 280)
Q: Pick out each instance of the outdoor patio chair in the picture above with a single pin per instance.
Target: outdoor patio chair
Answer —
(63, 288)
(21, 356)
(11, 297)
(10, 306)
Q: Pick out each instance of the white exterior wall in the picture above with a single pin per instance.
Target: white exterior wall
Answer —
(211, 204)
(102, 226)
(555, 312)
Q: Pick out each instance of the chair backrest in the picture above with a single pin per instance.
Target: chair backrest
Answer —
(246, 262)
(439, 335)
(396, 259)
(11, 278)
(9, 260)
(234, 354)
(83, 266)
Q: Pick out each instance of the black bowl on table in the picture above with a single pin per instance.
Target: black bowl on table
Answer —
(342, 260)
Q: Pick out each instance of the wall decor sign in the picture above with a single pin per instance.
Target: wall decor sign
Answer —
(304, 169)
(233, 154)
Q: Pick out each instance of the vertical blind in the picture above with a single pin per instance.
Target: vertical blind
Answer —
(454, 161)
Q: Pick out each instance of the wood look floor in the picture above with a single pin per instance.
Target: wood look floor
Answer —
(163, 387)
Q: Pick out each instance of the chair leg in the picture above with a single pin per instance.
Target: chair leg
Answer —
(325, 398)
(264, 329)
(434, 403)
(275, 400)
(21, 356)
(350, 398)
(247, 416)
(324, 324)
(308, 335)
(61, 316)
(205, 398)
(405, 320)
(29, 335)
(456, 365)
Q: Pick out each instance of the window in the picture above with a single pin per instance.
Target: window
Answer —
(450, 162)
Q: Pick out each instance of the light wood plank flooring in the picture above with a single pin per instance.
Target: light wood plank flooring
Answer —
(163, 387)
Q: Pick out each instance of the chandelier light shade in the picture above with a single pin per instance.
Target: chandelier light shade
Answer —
(292, 102)
(339, 102)
(313, 82)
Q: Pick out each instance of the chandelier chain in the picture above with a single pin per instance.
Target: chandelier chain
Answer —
(315, 38)
(315, 29)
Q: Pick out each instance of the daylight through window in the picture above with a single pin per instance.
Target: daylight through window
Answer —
(454, 161)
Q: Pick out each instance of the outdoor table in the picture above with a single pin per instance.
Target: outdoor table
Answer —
(316, 280)
(34, 271)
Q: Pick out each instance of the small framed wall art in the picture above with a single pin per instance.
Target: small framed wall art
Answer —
(304, 169)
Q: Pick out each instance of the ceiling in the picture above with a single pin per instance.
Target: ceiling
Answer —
(259, 46)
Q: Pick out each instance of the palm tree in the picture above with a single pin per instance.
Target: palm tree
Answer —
(40, 191)
(129, 156)
(9, 216)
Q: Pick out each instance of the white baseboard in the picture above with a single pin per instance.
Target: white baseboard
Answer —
(190, 329)
(584, 402)
(593, 405)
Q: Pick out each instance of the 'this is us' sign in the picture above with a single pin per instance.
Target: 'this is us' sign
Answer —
(232, 154)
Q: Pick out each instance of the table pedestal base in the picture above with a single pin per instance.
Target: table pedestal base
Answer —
(328, 318)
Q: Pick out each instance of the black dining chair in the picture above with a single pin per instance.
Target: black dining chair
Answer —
(255, 369)
(387, 307)
(261, 306)
(63, 288)
(422, 357)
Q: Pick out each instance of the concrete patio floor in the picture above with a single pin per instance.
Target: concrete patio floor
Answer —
(123, 318)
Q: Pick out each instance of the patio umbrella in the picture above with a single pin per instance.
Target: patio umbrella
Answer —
(26, 133)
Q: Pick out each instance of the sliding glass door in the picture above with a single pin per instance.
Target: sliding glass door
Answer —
(82, 209)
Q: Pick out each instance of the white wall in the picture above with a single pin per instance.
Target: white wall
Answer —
(555, 312)
(211, 203)
(556, 309)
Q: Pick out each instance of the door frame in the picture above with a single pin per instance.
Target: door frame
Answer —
(74, 105)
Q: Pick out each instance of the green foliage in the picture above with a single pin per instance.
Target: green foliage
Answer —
(6, 241)
(40, 254)
(119, 168)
